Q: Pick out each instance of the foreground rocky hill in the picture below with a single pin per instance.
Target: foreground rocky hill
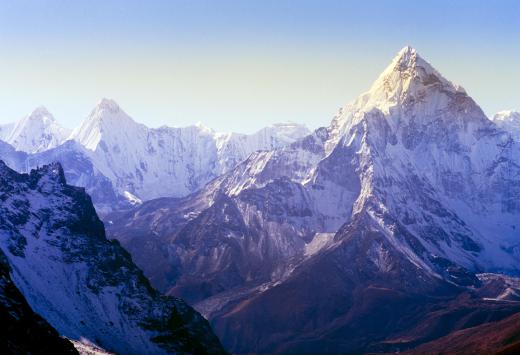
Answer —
(25, 332)
(83, 285)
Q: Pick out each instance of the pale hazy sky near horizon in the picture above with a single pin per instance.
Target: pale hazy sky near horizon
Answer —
(241, 65)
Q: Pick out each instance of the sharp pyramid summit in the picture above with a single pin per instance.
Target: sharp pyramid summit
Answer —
(407, 76)
(106, 121)
(37, 132)
(408, 91)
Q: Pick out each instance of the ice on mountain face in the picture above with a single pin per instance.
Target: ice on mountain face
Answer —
(235, 147)
(150, 163)
(426, 146)
(84, 285)
(132, 199)
(319, 242)
(37, 132)
(139, 163)
(107, 120)
(410, 92)
(509, 121)
(5, 130)
(146, 162)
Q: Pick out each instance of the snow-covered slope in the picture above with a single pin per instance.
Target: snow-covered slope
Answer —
(23, 331)
(431, 158)
(413, 142)
(232, 148)
(121, 162)
(85, 286)
(416, 182)
(149, 163)
(509, 120)
(37, 132)
(145, 162)
(5, 130)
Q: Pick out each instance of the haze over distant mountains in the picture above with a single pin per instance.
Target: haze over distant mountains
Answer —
(122, 162)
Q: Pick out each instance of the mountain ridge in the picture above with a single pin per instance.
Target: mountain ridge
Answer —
(122, 162)
(404, 174)
(84, 285)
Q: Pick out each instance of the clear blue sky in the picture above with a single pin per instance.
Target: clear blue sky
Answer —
(239, 65)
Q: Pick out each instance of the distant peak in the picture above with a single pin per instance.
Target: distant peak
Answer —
(201, 126)
(288, 124)
(107, 110)
(408, 58)
(40, 112)
(108, 104)
(507, 115)
(406, 52)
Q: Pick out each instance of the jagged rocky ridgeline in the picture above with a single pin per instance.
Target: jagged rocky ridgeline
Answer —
(370, 234)
(85, 286)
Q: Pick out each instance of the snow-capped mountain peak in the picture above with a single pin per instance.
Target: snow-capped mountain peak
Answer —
(507, 115)
(41, 113)
(106, 119)
(37, 132)
(145, 163)
(408, 77)
(410, 92)
(204, 129)
(509, 120)
(108, 104)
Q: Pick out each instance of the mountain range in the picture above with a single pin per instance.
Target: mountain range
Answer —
(396, 228)
(121, 162)
(394, 210)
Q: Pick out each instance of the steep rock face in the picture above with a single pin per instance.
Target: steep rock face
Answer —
(253, 234)
(79, 171)
(437, 164)
(410, 169)
(36, 132)
(24, 332)
(84, 285)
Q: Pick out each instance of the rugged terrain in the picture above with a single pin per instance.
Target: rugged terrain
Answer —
(121, 162)
(24, 332)
(82, 284)
(366, 235)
